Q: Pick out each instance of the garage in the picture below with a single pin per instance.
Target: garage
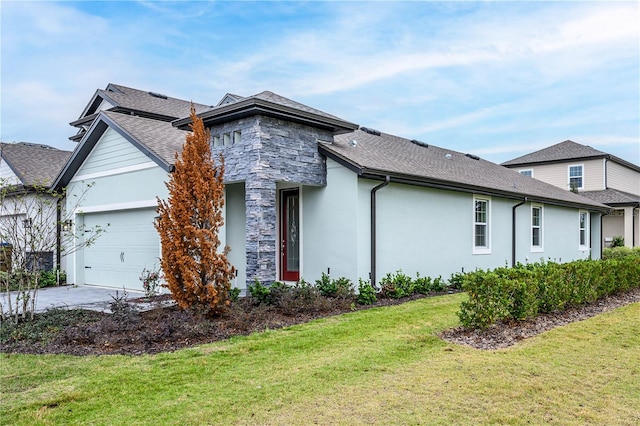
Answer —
(129, 244)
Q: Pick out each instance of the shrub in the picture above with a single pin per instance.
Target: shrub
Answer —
(618, 241)
(366, 293)
(260, 294)
(397, 285)
(524, 291)
(618, 252)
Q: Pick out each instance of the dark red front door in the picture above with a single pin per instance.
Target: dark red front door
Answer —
(290, 234)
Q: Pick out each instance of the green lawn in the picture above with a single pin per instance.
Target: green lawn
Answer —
(381, 366)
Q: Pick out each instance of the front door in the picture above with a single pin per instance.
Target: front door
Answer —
(290, 234)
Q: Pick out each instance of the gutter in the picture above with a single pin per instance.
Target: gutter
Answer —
(372, 274)
(513, 231)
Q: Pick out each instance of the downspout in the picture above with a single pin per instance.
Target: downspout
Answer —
(58, 236)
(372, 274)
(513, 231)
(633, 225)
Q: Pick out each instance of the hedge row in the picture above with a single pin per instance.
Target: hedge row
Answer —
(618, 252)
(507, 294)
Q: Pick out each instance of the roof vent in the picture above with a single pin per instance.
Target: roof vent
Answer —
(448, 156)
(473, 157)
(370, 131)
(158, 95)
(353, 143)
(420, 143)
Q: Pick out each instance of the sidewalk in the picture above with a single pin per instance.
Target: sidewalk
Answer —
(85, 297)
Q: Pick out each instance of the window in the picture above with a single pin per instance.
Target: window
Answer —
(526, 172)
(481, 220)
(536, 228)
(575, 177)
(584, 230)
(236, 137)
(216, 141)
(226, 139)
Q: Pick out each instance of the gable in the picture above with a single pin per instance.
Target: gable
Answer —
(7, 176)
(112, 153)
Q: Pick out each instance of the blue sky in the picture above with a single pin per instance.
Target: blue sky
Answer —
(497, 79)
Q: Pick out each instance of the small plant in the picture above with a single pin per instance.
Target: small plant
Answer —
(261, 294)
(366, 293)
(397, 285)
(422, 285)
(326, 286)
(121, 310)
(618, 241)
(234, 294)
(150, 281)
(456, 281)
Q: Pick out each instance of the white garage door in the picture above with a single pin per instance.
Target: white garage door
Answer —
(129, 244)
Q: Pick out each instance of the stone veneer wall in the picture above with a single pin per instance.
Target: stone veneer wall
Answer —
(270, 151)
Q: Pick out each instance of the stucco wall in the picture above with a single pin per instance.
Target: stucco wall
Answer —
(423, 230)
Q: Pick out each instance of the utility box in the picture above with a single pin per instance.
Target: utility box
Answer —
(6, 251)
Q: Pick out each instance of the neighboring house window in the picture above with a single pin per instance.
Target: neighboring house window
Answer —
(536, 228)
(526, 172)
(576, 177)
(481, 223)
(236, 137)
(216, 141)
(226, 139)
(584, 230)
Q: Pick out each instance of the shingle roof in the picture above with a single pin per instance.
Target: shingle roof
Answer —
(612, 197)
(160, 137)
(272, 104)
(34, 164)
(562, 151)
(140, 100)
(406, 160)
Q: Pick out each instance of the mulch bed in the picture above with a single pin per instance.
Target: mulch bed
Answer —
(166, 328)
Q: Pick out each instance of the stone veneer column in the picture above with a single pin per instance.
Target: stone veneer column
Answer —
(261, 235)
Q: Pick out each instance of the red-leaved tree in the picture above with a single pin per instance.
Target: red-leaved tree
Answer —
(197, 272)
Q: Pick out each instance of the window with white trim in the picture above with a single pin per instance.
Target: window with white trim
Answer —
(576, 176)
(584, 230)
(526, 172)
(216, 141)
(481, 225)
(536, 228)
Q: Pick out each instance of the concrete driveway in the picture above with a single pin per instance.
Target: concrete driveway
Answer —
(85, 297)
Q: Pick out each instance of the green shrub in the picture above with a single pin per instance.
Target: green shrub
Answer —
(326, 286)
(260, 293)
(618, 252)
(618, 241)
(456, 281)
(366, 293)
(422, 285)
(522, 292)
(397, 285)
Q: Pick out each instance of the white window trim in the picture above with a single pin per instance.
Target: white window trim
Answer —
(487, 249)
(526, 170)
(587, 225)
(569, 175)
(540, 248)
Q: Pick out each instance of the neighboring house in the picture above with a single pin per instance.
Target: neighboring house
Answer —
(28, 214)
(594, 174)
(308, 192)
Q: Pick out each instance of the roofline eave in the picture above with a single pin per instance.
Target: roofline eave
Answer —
(252, 106)
(89, 140)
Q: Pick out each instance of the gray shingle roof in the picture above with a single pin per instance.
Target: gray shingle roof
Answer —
(562, 151)
(34, 164)
(159, 137)
(269, 103)
(405, 160)
(612, 197)
(140, 100)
